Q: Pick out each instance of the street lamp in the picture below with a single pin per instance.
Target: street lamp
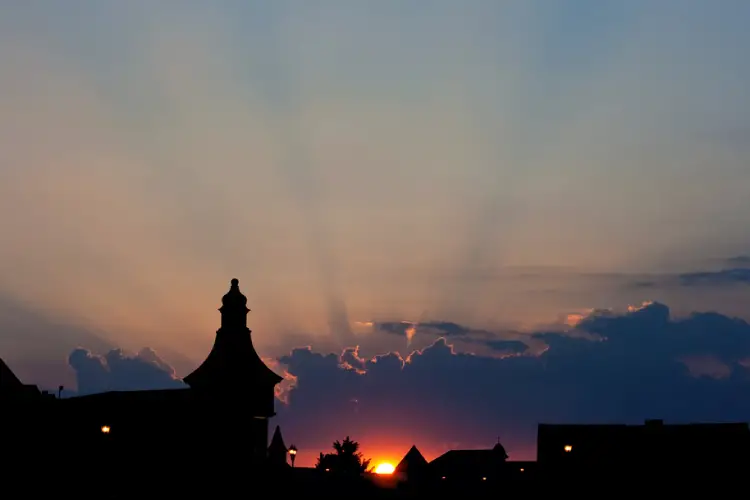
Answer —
(292, 453)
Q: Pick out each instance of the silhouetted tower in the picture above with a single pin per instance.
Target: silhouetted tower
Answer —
(277, 451)
(235, 382)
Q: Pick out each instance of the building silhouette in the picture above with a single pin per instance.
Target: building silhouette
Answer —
(654, 450)
(470, 466)
(218, 423)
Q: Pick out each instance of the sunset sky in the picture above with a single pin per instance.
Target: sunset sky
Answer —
(507, 176)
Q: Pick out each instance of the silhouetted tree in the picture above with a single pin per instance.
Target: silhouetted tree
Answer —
(346, 459)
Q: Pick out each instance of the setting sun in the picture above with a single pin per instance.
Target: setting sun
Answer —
(384, 468)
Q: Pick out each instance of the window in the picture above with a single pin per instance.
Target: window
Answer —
(568, 448)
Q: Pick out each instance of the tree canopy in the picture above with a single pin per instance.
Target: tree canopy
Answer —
(346, 458)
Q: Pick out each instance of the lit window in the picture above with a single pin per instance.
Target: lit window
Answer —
(484, 479)
(105, 429)
(443, 477)
(522, 470)
(328, 470)
(568, 448)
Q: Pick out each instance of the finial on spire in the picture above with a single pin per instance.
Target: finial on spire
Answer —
(235, 282)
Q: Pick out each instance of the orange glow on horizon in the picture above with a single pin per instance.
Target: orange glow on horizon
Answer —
(384, 468)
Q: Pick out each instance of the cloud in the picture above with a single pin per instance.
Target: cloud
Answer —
(740, 260)
(737, 272)
(118, 371)
(35, 342)
(724, 277)
(288, 382)
(612, 367)
(476, 338)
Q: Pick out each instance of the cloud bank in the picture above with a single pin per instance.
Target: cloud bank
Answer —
(611, 366)
(118, 371)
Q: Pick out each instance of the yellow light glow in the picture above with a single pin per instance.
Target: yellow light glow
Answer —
(105, 429)
(568, 448)
(384, 468)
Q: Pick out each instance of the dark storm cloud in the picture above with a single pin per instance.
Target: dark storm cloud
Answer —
(632, 366)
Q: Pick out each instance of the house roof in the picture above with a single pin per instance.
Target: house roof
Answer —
(411, 461)
(8, 379)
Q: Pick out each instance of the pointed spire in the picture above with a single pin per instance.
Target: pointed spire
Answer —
(277, 451)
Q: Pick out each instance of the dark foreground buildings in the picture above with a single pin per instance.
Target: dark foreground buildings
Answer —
(654, 450)
(211, 439)
(218, 423)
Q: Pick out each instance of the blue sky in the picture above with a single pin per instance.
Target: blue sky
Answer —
(500, 164)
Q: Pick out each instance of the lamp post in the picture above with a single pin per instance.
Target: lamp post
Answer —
(292, 453)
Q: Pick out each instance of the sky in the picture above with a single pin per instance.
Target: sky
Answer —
(518, 210)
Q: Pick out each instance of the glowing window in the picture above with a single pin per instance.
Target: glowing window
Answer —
(568, 448)
(105, 429)
(522, 470)
(484, 479)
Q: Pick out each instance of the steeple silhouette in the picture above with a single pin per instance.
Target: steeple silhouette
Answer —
(233, 366)
(277, 451)
(499, 451)
(234, 307)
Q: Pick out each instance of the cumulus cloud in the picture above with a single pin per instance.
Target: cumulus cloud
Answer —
(612, 367)
(118, 371)
(288, 382)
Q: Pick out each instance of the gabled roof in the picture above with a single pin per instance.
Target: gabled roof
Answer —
(412, 461)
(12, 387)
(8, 379)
